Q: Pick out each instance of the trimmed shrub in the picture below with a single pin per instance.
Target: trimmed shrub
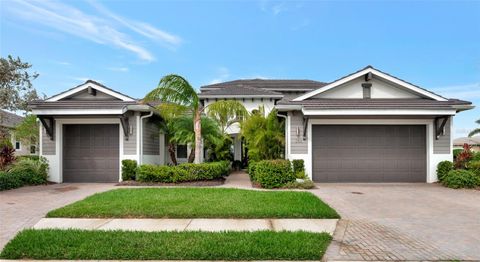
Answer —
(298, 166)
(251, 170)
(274, 173)
(182, 173)
(461, 179)
(9, 181)
(30, 172)
(443, 168)
(301, 175)
(129, 169)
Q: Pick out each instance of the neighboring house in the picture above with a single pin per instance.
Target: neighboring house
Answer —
(473, 142)
(365, 127)
(8, 122)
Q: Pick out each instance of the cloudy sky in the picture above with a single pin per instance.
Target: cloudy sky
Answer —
(130, 45)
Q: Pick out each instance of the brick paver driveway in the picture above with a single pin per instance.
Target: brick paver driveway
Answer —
(403, 222)
(23, 207)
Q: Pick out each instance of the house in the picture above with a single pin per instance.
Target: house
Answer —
(473, 142)
(368, 126)
(8, 122)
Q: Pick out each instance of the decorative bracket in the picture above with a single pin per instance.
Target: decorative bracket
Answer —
(49, 124)
(125, 126)
(305, 126)
(440, 126)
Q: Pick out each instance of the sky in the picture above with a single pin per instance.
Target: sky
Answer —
(130, 45)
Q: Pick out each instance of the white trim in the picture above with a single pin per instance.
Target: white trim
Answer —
(375, 72)
(356, 112)
(85, 86)
(431, 175)
(77, 111)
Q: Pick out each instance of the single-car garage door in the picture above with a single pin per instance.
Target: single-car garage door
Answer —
(90, 153)
(369, 153)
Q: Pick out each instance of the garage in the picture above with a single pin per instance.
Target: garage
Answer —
(91, 153)
(369, 153)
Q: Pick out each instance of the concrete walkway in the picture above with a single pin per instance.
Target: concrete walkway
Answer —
(196, 224)
(238, 179)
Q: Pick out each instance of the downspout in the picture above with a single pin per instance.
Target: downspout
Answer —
(286, 134)
(141, 136)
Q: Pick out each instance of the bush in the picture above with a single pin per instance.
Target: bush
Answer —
(456, 152)
(32, 157)
(443, 168)
(298, 166)
(474, 166)
(182, 173)
(461, 179)
(9, 181)
(301, 175)
(251, 170)
(7, 153)
(237, 165)
(273, 173)
(307, 184)
(463, 157)
(30, 172)
(129, 169)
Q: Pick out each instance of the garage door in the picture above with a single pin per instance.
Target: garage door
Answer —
(90, 153)
(369, 153)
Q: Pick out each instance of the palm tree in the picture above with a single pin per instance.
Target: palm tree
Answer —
(227, 113)
(476, 130)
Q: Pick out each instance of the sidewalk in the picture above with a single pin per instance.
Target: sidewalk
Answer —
(196, 224)
(238, 179)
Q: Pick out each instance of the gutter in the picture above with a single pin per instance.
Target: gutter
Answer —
(141, 136)
(286, 134)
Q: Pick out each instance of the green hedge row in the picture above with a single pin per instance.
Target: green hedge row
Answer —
(459, 178)
(271, 173)
(24, 171)
(174, 174)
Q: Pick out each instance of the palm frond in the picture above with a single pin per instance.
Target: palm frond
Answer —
(227, 112)
(474, 132)
(169, 111)
(174, 89)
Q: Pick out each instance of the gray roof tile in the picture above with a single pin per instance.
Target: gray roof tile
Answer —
(8, 119)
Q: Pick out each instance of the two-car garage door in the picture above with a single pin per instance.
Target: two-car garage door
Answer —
(369, 153)
(91, 153)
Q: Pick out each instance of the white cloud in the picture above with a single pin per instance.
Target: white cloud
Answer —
(62, 63)
(278, 8)
(222, 75)
(118, 69)
(275, 8)
(97, 29)
(465, 91)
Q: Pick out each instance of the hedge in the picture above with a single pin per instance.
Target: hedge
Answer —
(24, 172)
(129, 169)
(461, 179)
(443, 168)
(273, 173)
(183, 172)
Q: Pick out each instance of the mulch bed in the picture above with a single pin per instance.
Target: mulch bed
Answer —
(214, 182)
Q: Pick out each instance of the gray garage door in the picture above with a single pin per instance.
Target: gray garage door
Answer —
(369, 153)
(90, 153)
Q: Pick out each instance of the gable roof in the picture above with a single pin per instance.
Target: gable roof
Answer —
(8, 119)
(467, 140)
(270, 84)
(90, 83)
(374, 71)
(239, 90)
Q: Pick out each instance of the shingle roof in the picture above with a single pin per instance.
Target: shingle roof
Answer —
(80, 104)
(239, 90)
(467, 140)
(270, 84)
(8, 119)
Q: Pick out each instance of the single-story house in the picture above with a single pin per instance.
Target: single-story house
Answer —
(368, 126)
(8, 122)
(473, 142)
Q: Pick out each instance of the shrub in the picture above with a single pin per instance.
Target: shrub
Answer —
(129, 169)
(461, 179)
(463, 157)
(182, 173)
(7, 153)
(456, 152)
(9, 181)
(30, 172)
(307, 184)
(251, 170)
(273, 173)
(301, 175)
(475, 156)
(443, 168)
(474, 166)
(237, 165)
(32, 157)
(298, 166)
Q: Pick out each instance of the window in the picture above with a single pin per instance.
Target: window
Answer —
(367, 91)
(181, 151)
(17, 145)
(33, 149)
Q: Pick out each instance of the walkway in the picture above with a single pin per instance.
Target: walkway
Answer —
(197, 224)
(238, 179)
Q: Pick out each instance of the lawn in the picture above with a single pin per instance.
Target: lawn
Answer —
(197, 203)
(110, 245)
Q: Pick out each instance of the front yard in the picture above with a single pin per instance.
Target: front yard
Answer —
(197, 203)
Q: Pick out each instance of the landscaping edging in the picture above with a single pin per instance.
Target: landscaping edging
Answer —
(196, 224)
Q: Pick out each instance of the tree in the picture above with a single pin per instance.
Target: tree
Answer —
(476, 130)
(227, 113)
(264, 135)
(16, 88)
(27, 131)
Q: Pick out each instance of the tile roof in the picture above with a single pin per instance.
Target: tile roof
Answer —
(239, 90)
(270, 84)
(80, 104)
(8, 119)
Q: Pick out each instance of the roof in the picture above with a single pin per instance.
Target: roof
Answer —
(79, 104)
(87, 82)
(467, 140)
(324, 103)
(270, 84)
(8, 119)
(240, 90)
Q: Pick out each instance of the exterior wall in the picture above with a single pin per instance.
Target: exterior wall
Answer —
(130, 145)
(47, 145)
(297, 144)
(84, 95)
(442, 145)
(24, 148)
(354, 89)
(151, 142)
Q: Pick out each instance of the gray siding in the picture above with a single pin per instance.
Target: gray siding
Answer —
(130, 145)
(48, 146)
(297, 145)
(85, 96)
(442, 145)
(151, 138)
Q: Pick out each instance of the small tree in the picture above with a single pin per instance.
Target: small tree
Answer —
(28, 130)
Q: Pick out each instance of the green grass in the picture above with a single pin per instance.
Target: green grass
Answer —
(78, 244)
(197, 203)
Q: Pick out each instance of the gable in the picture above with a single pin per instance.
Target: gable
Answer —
(90, 90)
(379, 90)
(85, 95)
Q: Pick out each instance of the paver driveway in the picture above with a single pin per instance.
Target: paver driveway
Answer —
(23, 207)
(403, 222)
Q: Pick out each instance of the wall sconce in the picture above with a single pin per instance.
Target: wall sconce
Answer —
(297, 131)
(130, 131)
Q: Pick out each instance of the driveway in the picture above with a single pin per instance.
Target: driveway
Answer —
(403, 222)
(23, 207)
